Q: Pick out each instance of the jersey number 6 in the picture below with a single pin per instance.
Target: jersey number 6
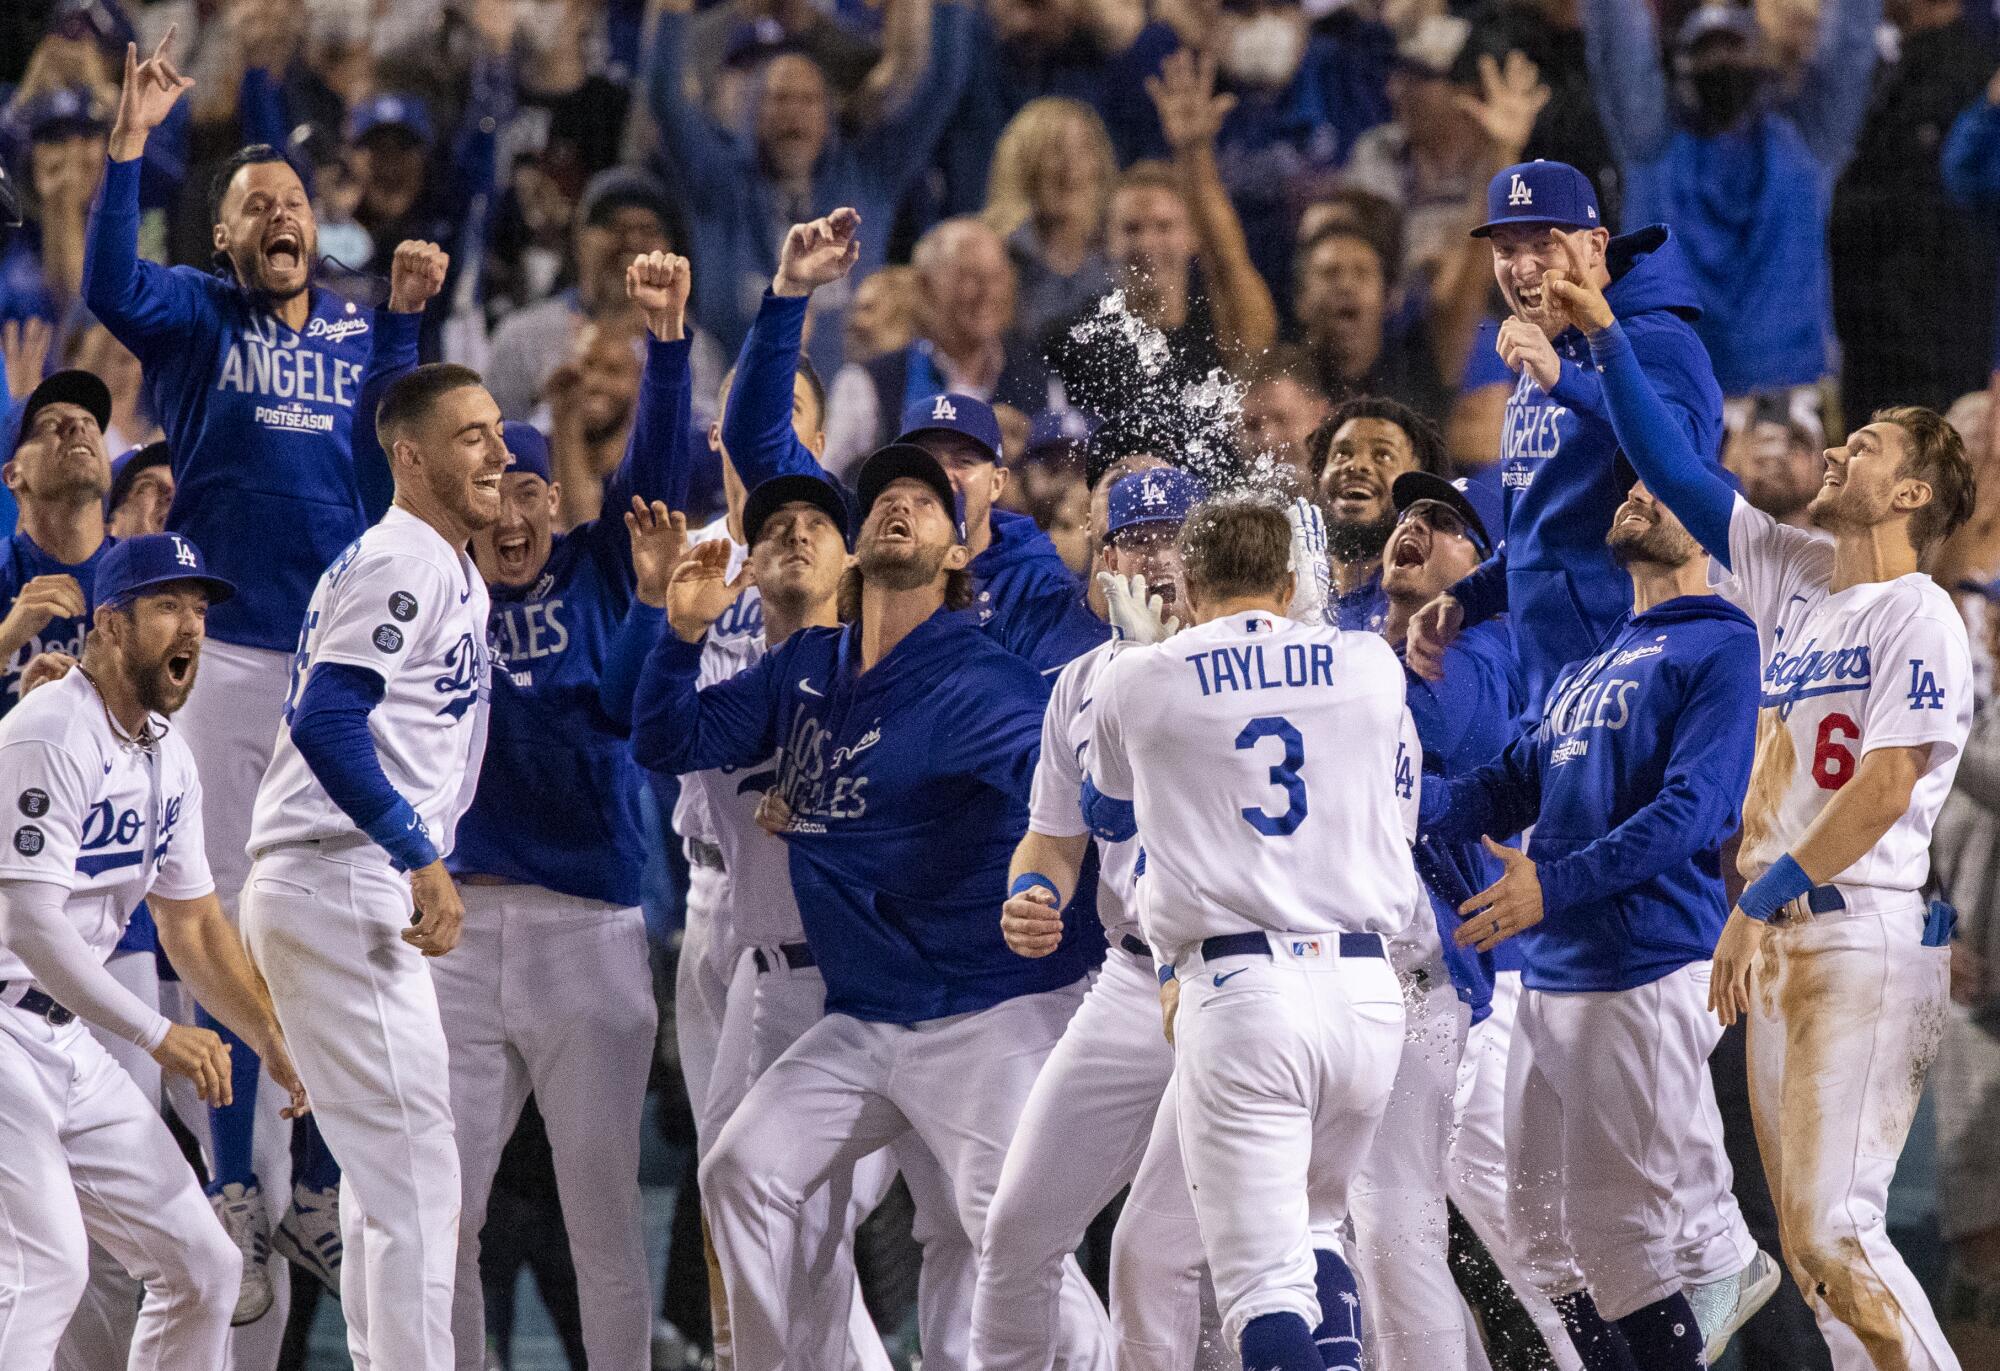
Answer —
(1285, 774)
(1833, 761)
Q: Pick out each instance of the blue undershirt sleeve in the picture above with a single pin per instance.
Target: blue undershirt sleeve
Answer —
(330, 729)
(1658, 448)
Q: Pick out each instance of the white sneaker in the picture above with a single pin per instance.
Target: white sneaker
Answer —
(309, 1235)
(241, 1209)
(1721, 1307)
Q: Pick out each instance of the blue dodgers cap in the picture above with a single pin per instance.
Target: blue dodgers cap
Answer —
(1157, 495)
(1417, 487)
(391, 109)
(906, 460)
(136, 565)
(796, 488)
(529, 449)
(1540, 192)
(953, 413)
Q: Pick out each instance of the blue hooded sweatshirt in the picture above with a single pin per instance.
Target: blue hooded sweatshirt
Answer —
(259, 419)
(1632, 781)
(1025, 595)
(908, 786)
(1463, 722)
(1561, 474)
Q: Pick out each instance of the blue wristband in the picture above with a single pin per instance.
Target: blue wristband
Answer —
(403, 836)
(1028, 880)
(1784, 882)
(1166, 974)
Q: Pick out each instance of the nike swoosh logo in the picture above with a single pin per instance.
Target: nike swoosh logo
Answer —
(1222, 976)
(465, 595)
(807, 687)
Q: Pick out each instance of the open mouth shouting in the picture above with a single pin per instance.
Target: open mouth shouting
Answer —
(180, 667)
(1408, 550)
(512, 552)
(896, 528)
(285, 251)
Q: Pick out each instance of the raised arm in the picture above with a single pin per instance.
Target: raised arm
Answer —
(701, 150)
(138, 301)
(898, 75)
(896, 146)
(678, 728)
(757, 428)
(1622, 50)
(416, 275)
(1496, 801)
(1191, 113)
(658, 540)
(1835, 87)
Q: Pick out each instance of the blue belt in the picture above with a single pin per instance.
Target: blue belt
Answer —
(1135, 947)
(797, 956)
(1824, 899)
(1259, 945)
(36, 1002)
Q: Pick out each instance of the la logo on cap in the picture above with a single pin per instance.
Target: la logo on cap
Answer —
(1151, 493)
(1518, 191)
(944, 408)
(182, 552)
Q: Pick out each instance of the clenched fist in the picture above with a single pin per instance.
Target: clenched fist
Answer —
(658, 283)
(416, 275)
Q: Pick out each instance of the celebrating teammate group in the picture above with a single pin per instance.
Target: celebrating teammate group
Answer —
(1334, 856)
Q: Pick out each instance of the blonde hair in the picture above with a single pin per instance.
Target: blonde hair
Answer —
(1032, 136)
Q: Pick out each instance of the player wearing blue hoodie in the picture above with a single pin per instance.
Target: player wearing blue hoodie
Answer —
(1025, 596)
(1558, 456)
(907, 739)
(1631, 782)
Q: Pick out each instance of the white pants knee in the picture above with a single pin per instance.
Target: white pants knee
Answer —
(1603, 1088)
(1846, 1012)
(323, 923)
(1080, 1139)
(1284, 1070)
(84, 1157)
(1414, 1316)
(552, 995)
(846, 1089)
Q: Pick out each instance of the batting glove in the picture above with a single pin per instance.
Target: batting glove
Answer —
(1309, 563)
(1137, 618)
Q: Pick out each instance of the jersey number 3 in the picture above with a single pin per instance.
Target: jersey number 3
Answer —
(1284, 775)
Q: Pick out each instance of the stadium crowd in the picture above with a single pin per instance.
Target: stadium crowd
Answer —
(1520, 310)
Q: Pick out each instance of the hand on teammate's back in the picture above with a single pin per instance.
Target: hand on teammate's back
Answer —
(416, 275)
(434, 931)
(45, 667)
(199, 1055)
(701, 590)
(659, 544)
(1031, 923)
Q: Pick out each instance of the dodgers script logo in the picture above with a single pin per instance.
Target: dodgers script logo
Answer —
(465, 671)
(1790, 677)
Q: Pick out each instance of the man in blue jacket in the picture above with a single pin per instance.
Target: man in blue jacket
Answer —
(256, 376)
(1743, 171)
(1631, 783)
(550, 854)
(908, 741)
(1026, 597)
(1554, 576)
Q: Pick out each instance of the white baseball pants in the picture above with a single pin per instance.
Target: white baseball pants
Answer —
(1846, 1013)
(1414, 1315)
(708, 959)
(1156, 1256)
(231, 725)
(1285, 1066)
(323, 923)
(85, 1158)
(1081, 1136)
(1604, 1106)
(847, 1088)
(552, 995)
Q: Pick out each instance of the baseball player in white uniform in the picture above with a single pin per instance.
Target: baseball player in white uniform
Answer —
(376, 760)
(1086, 1123)
(1866, 701)
(104, 809)
(1290, 1025)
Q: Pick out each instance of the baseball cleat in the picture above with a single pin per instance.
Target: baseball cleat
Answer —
(1721, 1307)
(309, 1235)
(241, 1210)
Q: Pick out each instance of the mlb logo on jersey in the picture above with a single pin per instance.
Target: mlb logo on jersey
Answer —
(1307, 948)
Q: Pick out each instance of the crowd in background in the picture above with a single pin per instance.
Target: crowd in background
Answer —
(1196, 224)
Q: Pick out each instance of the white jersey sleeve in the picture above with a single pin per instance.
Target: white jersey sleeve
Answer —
(1052, 798)
(1409, 775)
(374, 612)
(1110, 767)
(1921, 694)
(51, 793)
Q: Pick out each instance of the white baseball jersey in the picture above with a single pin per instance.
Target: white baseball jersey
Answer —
(1052, 800)
(402, 603)
(1268, 764)
(738, 636)
(1885, 664)
(89, 810)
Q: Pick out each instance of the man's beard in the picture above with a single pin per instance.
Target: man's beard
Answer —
(1658, 545)
(156, 690)
(1348, 542)
(912, 570)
